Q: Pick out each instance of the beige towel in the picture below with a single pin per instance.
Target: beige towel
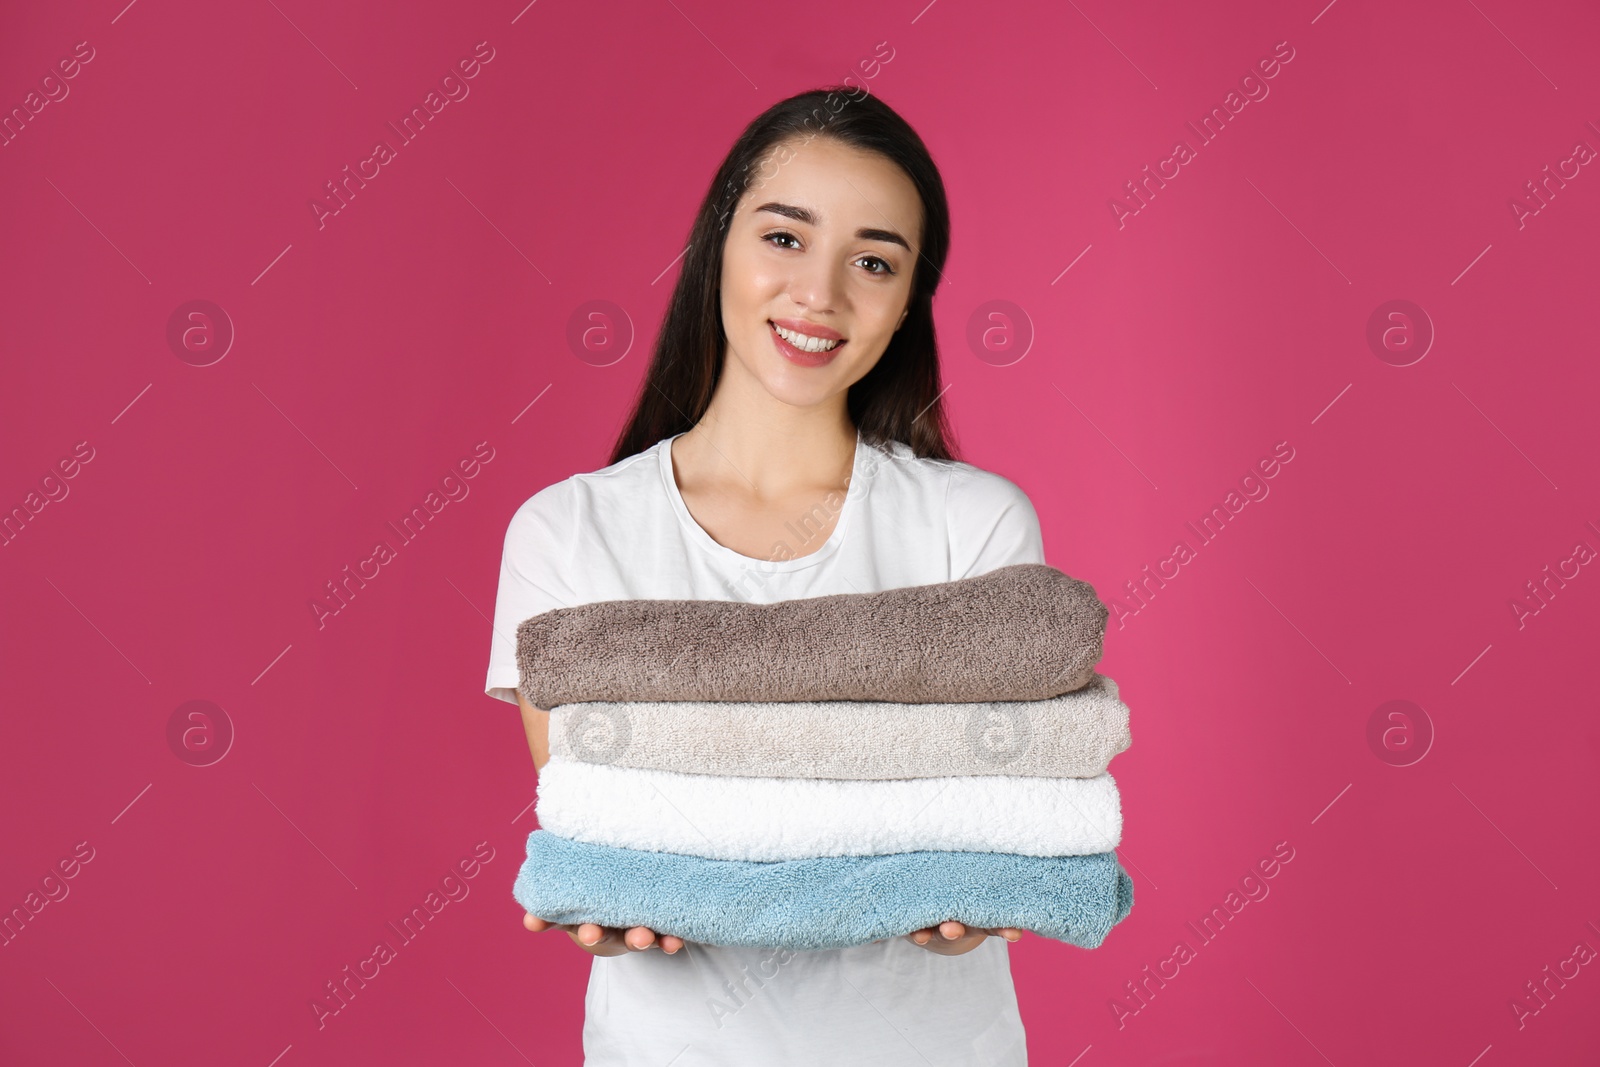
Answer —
(1073, 735)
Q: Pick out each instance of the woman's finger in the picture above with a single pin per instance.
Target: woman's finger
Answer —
(640, 938)
(592, 934)
(537, 925)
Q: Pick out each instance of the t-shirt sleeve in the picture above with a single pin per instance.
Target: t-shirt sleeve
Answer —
(992, 523)
(532, 565)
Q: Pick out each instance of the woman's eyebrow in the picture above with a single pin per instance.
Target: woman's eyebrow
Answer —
(809, 217)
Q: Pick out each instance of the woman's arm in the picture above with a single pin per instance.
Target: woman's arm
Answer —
(536, 724)
(592, 938)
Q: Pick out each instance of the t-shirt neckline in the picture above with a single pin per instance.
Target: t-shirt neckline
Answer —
(696, 533)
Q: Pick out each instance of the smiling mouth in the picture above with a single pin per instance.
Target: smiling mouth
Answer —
(805, 343)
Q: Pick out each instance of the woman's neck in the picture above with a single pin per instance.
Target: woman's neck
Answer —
(757, 445)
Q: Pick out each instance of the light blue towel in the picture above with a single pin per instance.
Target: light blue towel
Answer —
(829, 902)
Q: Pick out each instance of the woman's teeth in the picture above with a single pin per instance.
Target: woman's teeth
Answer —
(804, 342)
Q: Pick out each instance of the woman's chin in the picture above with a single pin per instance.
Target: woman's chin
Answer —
(798, 397)
(804, 387)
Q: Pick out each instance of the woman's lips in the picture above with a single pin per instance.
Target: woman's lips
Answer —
(795, 355)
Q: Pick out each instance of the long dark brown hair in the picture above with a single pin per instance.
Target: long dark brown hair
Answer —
(899, 399)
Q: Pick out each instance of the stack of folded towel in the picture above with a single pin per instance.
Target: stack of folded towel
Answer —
(830, 771)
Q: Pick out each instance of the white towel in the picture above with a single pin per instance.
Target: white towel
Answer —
(801, 818)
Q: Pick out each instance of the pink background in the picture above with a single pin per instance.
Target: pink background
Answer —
(373, 353)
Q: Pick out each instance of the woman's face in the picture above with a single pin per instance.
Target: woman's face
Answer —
(822, 243)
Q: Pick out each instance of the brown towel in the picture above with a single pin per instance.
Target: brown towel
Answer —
(1023, 632)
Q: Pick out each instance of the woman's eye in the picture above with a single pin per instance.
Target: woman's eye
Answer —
(782, 235)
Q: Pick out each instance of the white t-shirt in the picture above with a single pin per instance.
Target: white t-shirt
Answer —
(623, 532)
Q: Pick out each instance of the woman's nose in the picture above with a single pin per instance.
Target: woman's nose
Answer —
(815, 285)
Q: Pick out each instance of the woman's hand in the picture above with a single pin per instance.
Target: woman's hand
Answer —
(607, 940)
(947, 939)
(951, 938)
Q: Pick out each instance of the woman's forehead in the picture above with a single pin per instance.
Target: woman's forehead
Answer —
(833, 186)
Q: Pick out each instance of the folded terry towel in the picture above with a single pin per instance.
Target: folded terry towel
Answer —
(801, 818)
(1074, 735)
(834, 902)
(1022, 632)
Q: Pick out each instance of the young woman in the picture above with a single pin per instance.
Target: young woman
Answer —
(788, 441)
